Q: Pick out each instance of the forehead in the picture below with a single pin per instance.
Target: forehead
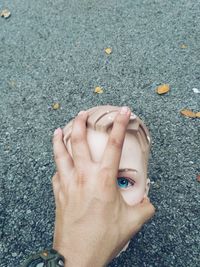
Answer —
(131, 156)
(131, 151)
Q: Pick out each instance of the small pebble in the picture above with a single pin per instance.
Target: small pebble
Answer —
(14, 254)
(157, 185)
(196, 91)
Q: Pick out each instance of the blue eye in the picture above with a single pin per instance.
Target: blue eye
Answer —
(124, 182)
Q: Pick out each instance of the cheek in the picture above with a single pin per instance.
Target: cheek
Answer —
(134, 195)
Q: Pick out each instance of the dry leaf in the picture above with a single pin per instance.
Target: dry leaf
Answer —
(188, 113)
(183, 46)
(12, 83)
(162, 89)
(198, 114)
(56, 106)
(98, 90)
(198, 177)
(5, 13)
(108, 50)
(45, 253)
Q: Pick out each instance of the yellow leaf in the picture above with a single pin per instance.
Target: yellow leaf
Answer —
(108, 50)
(5, 13)
(56, 106)
(12, 83)
(98, 90)
(198, 114)
(183, 46)
(188, 113)
(162, 89)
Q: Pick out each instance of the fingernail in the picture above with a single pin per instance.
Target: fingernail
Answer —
(56, 131)
(124, 110)
(81, 112)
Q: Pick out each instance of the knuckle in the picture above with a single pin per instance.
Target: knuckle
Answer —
(54, 139)
(57, 156)
(55, 178)
(120, 120)
(77, 120)
(114, 142)
(81, 182)
(75, 137)
(61, 197)
(105, 171)
(121, 124)
(153, 209)
(137, 223)
(81, 177)
(106, 177)
(55, 185)
(77, 133)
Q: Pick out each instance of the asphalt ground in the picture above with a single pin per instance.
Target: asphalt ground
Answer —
(53, 51)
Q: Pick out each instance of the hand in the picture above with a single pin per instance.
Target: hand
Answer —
(93, 222)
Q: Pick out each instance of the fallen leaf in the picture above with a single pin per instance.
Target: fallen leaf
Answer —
(198, 114)
(183, 46)
(98, 90)
(56, 106)
(198, 177)
(108, 50)
(162, 89)
(188, 113)
(12, 83)
(5, 13)
(45, 253)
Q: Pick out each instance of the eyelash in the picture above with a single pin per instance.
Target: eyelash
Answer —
(120, 174)
(128, 179)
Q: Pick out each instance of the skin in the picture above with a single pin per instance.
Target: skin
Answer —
(136, 187)
(91, 228)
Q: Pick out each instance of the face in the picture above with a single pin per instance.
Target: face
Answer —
(131, 180)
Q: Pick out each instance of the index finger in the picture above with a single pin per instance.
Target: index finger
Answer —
(112, 153)
(62, 158)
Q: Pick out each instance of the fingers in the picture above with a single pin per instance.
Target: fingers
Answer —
(79, 144)
(139, 215)
(55, 185)
(112, 152)
(63, 160)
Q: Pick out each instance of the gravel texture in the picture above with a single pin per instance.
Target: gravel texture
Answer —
(53, 51)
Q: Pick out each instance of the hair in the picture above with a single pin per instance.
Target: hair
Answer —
(101, 118)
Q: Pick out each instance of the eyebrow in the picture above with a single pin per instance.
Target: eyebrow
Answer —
(127, 169)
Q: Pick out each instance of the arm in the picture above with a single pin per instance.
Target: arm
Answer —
(93, 222)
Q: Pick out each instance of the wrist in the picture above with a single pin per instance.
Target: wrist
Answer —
(74, 259)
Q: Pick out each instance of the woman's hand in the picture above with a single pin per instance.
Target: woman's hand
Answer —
(93, 222)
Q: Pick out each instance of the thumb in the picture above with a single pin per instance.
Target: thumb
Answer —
(139, 214)
(56, 185)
